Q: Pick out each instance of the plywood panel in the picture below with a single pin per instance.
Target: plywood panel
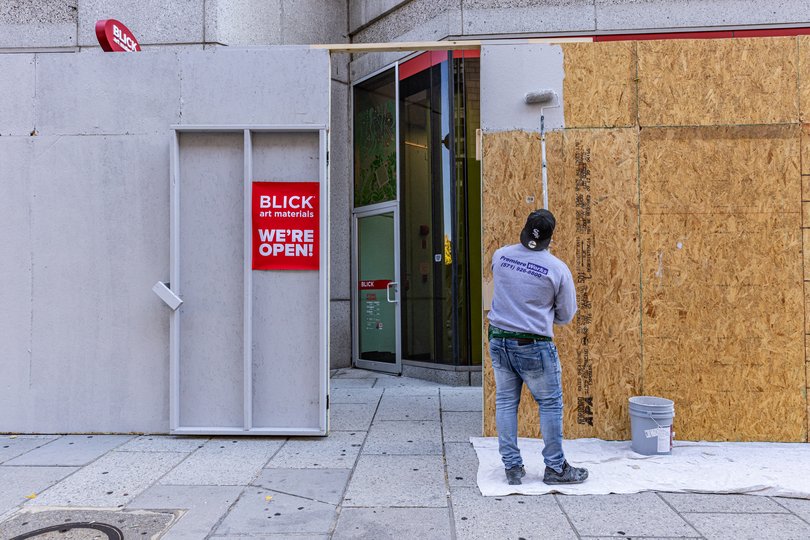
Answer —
(722, 280)
(713, 81)
(512, 187)
(806, 158)
(804, 78)
(593, 193)
(600, 87)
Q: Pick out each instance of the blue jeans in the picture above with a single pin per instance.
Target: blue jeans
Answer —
(538, 365)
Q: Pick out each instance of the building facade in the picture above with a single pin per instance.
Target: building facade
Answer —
(406, 229)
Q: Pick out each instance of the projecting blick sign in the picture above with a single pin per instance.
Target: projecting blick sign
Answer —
(113, 36)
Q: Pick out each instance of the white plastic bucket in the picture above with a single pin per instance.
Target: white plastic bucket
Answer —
(651, 425)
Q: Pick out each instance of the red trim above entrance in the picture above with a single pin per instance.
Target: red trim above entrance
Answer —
(421, 63)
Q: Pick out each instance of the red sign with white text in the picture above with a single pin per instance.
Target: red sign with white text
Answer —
(113, 36)
(286, 226)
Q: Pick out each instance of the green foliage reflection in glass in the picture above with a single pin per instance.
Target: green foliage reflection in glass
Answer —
(376, 155)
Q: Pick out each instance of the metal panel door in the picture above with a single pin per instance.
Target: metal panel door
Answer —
(249, 348)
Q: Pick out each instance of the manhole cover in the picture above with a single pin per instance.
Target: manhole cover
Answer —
(82, 524)
(88, 530)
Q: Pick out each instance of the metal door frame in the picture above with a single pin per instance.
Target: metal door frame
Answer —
(369, 211)
(174, 336)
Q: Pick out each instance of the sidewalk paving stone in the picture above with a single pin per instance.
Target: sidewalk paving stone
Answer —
(255, 514)
(408, 388)
(640, 514)
(12, 446)
(17, 483)
(749, 526)
(337, 451)
(224, 462)
(324, 485)
(397, 481)
(111, 481)
(800, 507)
(164, 443)
(404, 437)
(350, 373)
(536, 517)
(351, 383)
(738, 504)
(393, 524)
(462, 399)
(204, 506)
(71, 450)
(462, 464)
(394, 407)
(351, 416)
(460, 426)
(355, 395)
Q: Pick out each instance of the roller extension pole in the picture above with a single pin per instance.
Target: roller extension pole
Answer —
(543, 98)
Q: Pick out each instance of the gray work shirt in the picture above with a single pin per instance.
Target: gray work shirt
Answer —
(534, 291)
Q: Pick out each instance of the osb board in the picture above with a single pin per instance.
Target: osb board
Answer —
(722, 280)
(718, 82)
(600, 88)
(804, 78)
(739, 169)
(593, 193)
(806, 158)
(806, 251)
(512, 187)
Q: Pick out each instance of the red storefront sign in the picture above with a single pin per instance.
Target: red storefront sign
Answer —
(374, 284)
(286, 226)
(113, 36)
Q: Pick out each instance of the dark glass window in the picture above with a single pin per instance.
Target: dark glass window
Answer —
(375, 150)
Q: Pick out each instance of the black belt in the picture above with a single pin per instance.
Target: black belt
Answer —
(527, 341)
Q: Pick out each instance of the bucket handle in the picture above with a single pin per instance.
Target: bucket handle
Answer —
(656, 421)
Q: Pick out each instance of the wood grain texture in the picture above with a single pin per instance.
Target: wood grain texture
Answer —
(600, 88)
(722, 280)
(718, 81)
(593, 193)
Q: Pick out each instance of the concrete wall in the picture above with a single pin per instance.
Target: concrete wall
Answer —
(84, 218)
(39, 25)
(418, 20)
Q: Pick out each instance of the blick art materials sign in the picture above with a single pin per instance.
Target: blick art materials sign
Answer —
(286, 217)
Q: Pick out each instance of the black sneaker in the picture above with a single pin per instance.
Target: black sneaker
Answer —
(569, 475)
(514, 475)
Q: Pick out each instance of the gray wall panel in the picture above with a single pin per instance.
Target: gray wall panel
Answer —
(519, 16)
(18, 90)
(417, 20)
(243, 22)
(38, 23)
(508, 72)
(90, 93)
(100, 340)
(314, 21)
(211, 280)
(340, 352)
(651, 14)
(244, 86)
(286, 328)
(340, 193)
(363, 11)
(16, 284)
(152, 21)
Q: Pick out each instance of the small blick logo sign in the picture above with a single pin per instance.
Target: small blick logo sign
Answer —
(113, 36)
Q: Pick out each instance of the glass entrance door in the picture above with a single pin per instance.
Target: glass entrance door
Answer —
(377, 342)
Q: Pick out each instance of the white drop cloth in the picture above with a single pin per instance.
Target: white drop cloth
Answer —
(781, 469)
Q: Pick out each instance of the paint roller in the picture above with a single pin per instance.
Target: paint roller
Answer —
(544, 98)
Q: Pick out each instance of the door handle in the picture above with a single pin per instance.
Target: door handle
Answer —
(388, 292)
(165, 293)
